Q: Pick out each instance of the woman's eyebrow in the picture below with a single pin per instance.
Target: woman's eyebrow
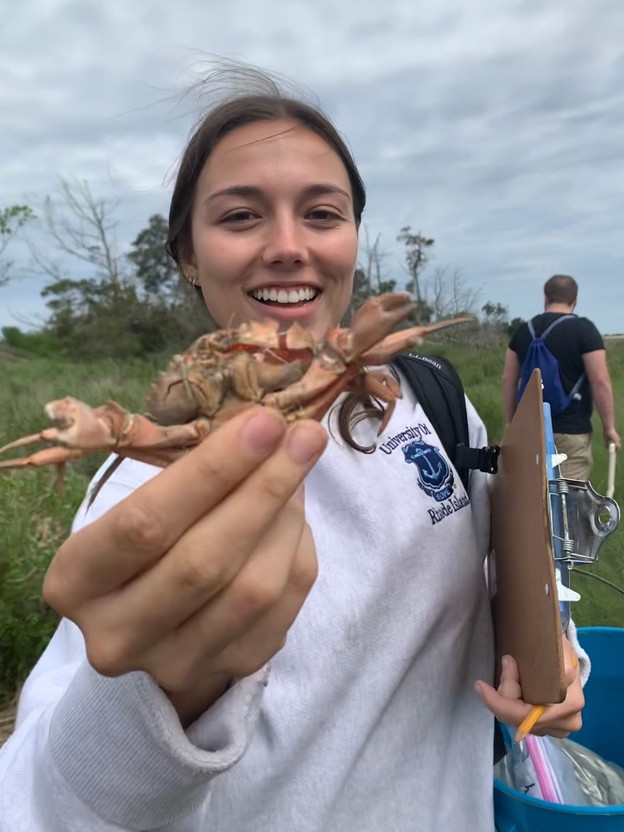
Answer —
(251, 191)
(236, 190)
(325, 188)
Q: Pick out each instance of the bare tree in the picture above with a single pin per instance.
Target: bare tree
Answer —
(370, 275)
(449, 296)
(82, 227)
(108, 307)
(374, 267)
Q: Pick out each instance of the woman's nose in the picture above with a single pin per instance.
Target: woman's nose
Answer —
(285, 244)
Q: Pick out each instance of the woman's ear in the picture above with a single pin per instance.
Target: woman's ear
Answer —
(190, 274)
(188, 267)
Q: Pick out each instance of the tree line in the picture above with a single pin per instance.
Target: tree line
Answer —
(133, 303)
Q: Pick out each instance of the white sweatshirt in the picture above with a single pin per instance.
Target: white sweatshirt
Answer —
(367, 720)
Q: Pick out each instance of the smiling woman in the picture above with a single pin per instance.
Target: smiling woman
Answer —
(267, 203)
(202, 679)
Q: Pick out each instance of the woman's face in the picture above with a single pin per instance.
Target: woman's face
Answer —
(273, 229)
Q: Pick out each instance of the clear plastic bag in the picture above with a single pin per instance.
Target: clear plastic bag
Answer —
(561, 771)
(602, 782)
(516, 769)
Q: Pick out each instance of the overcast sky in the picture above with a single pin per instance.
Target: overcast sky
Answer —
(497, 128)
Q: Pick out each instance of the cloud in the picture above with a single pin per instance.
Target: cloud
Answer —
(494, 128)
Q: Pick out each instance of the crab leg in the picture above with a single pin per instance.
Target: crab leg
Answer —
(314, 394)
(405, 339)
(79, 430)
(328, 375)
(339, 359)
(25, 440)
(47, 456)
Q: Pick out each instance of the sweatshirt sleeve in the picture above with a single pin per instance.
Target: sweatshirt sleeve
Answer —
(99, 753)
(583, 657)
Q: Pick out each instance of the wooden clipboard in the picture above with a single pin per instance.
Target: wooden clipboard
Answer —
(527, 620)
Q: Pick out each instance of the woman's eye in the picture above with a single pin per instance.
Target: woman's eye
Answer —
(239, 217)
(324, 215)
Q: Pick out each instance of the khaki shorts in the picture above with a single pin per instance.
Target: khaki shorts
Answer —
(578, 448)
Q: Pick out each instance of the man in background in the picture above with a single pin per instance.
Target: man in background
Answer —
(578, 347)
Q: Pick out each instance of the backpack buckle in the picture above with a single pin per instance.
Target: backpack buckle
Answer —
(480, 459)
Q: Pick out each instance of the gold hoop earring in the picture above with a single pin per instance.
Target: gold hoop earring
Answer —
(191, 277)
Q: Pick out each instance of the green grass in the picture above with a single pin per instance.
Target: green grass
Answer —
(34, 520)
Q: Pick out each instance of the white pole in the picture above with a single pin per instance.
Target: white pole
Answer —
(611, 474)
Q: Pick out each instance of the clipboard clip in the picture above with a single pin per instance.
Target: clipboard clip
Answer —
(580, 521)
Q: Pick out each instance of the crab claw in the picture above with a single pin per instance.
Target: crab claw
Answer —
(76, 425)
(380, 384)
(79, 430)
(376, 318)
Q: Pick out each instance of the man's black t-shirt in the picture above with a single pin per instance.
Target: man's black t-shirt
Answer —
(568, 342)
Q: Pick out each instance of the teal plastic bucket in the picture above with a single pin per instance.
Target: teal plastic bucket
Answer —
(602, 732)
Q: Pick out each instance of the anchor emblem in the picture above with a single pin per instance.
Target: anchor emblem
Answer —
(434, 473)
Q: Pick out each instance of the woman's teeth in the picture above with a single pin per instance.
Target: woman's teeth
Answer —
(285, 295)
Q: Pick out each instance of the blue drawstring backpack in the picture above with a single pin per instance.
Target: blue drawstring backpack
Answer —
(540, 357)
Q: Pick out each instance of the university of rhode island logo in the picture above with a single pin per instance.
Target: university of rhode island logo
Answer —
(434, 473)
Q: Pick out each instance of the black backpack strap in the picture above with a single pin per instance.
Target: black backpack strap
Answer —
(440, 393)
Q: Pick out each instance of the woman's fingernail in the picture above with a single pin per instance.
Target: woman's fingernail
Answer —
(304, 442)
(261, 433)
(505, 661)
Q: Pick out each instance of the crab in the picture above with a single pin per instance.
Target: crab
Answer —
(230, 370)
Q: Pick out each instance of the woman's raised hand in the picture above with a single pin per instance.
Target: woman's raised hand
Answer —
(197, 576)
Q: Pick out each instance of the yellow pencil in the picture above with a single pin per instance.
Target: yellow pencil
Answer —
(527, 724)
(535, 713)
